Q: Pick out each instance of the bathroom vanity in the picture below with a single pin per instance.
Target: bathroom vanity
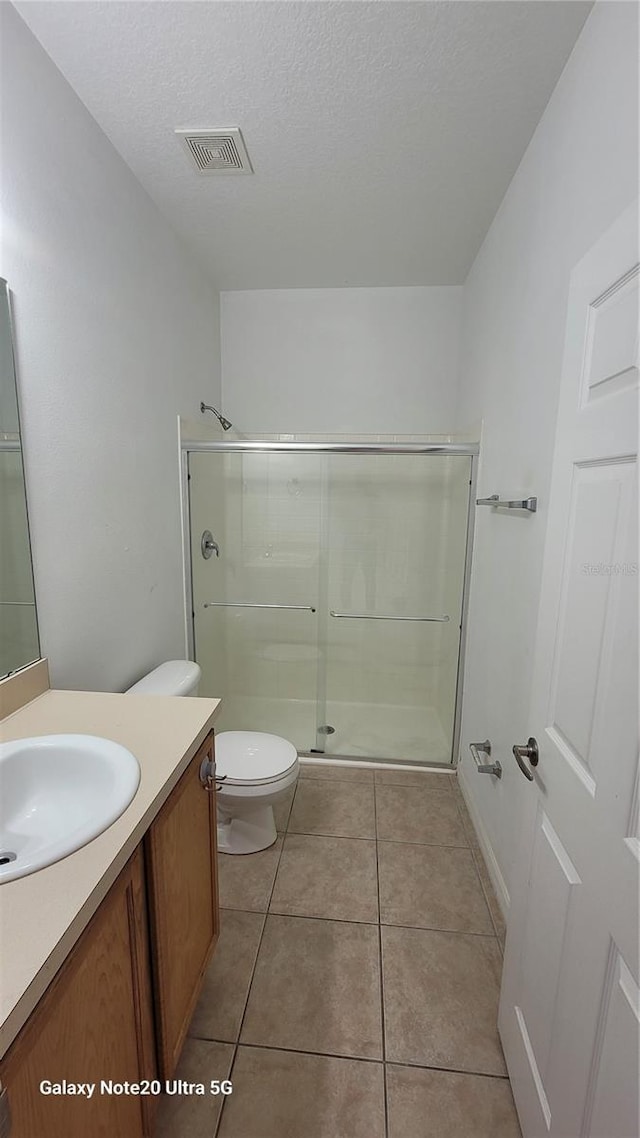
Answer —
(103, 952)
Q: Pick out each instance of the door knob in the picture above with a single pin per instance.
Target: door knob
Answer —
(527, 752)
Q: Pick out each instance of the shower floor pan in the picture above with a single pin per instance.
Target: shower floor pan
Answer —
(384, 731)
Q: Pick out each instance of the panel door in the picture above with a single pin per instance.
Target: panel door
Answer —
(569, 1006)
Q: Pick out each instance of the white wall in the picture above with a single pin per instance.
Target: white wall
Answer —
(116, 334)
(578, 174)
(347, 360)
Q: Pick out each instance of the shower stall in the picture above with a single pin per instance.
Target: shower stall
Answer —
(327, 591)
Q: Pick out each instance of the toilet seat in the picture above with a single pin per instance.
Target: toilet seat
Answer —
(254, 758)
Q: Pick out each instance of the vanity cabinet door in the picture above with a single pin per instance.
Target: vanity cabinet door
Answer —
(95, 1022)
(183, 903)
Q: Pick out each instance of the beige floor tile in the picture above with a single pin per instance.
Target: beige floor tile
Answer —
(336, 773)
(327, 877)
(195, 1116)
(441, 999)
(316, 987)
(441, 1104)
(219, 1010)
(283, 1094)
(431, 887)
(409, 814)
(428, 780)
(245, 881)
(338, 809)
(282, 810)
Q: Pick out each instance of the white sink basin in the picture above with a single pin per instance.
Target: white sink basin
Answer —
(57, 792)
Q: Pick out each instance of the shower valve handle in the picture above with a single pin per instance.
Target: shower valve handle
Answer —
(208, 545)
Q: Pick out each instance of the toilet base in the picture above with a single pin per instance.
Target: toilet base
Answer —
(247, 833)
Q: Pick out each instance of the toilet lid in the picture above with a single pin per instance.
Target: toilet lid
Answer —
(253, 757)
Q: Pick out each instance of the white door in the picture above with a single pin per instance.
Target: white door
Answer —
(569, 1009)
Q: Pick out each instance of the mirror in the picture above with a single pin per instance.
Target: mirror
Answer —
(19, 643)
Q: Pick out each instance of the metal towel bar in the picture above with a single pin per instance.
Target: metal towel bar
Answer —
(530, 504)
(253, 605)
(372, 616)
(484, 768)
(311, 608)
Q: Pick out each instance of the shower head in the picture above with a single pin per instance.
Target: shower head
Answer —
(224, 423)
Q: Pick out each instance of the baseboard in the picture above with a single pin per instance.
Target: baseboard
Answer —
(305, 757)
(491, 862)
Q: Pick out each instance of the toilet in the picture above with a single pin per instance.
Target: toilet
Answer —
(253, 769)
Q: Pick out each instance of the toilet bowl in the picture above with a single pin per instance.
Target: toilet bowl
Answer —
(253, 769)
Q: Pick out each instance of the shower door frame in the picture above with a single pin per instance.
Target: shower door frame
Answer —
(252, 446)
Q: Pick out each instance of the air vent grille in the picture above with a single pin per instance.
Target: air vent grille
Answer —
(217, 151)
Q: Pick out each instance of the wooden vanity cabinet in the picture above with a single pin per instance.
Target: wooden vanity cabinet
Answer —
(181, 854)
(120, 1006)
(94, 1022)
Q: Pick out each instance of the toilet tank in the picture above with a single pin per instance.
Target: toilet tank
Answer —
(174, 677)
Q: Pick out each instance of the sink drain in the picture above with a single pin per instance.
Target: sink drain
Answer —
(6, 856)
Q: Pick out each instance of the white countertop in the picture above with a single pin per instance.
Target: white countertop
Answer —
(43, 914)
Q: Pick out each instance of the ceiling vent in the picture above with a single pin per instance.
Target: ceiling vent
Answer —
(217, 151)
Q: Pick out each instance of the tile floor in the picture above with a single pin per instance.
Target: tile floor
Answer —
(354, 990)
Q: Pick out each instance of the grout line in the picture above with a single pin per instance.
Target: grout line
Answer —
(368, 924)
(476, 854)
(486, 898)
(319, 917)
(437, 929)
(381, 974)
(224, 1097)
(442, 845)
(396, 841)
(352, 837)
(446, 1070)
(373, 781)
(367, 1059)
(357, 838)
(255, 963)
(319, 1054)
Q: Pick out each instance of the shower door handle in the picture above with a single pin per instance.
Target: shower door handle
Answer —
(254, 605)
(376, 616)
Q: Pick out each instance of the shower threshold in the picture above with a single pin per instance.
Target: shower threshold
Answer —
(319, 758)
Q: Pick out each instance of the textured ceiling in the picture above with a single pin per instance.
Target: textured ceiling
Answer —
(383, 135)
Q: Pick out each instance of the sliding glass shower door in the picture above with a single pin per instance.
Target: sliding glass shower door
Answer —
(255, 607)
(396, 540)
(327, 600)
